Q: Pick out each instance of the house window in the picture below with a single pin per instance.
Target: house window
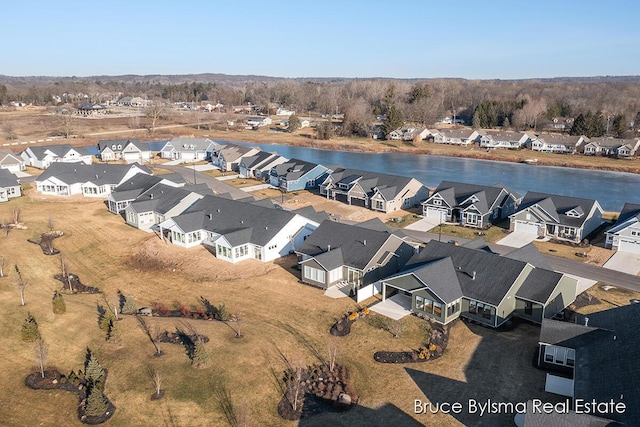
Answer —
(560, 356)
(311, 183)
(257, 253)
(635, 233)
(571, 357)
(486, 312)
(437, 202)
(437, 308)
(472, 219)
(379, 204)
(335, 275)
(314, 274)
(473, 309)
(419, 303)
(528, 308)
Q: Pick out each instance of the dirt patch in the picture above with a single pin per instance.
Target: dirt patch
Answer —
(46, 242)
(72, 284)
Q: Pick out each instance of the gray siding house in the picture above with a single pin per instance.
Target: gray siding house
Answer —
(9, 186)
(624, 236)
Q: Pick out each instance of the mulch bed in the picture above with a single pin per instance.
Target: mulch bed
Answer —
(583, 300)
(179, 338)
(322, 390)
(46, 242)
(77, 286)
(53, 381)
(341, 328)
(438, 340)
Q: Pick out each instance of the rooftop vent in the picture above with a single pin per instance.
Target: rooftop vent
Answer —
(364, 242)
(218, 210)
(586, 321)
(328, 248)
(210, 216)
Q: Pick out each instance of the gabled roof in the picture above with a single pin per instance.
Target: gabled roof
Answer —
(388, 185)
(232, 152)
(4, 153)
(58, 150)
(529, 253)
(161, 197)
(557, 207)
(504, 135)
(482, 276)
(226, 217)
(565, 334)
(438, 275)
(294, 169)
(311, 213)
(629, 215)
(255, 160)
(185, 144)
(7, 179)
(456, 133)
(459, 194)
(539, 285)
(563, 139)
(109, 143)
(359, 245)
(98, 174)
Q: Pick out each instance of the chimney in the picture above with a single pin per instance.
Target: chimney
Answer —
(586, 321)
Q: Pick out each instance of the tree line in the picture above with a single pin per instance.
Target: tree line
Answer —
(512, 104)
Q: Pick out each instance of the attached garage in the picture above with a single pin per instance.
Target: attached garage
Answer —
(341, 198)
(628, 245)
(527, 227)
(359, 202)
(439, 214)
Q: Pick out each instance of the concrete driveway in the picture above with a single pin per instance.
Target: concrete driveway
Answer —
(425, 224)
(517, 239)
(625, 262)
(395, 307)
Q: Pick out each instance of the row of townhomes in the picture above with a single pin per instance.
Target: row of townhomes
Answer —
(542, 142)
(375, 191)
(129, 150)
(44, 156)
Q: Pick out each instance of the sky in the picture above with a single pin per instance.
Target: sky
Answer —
(472, 39)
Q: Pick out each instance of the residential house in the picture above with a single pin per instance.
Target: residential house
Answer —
(238, 230)
(188, 149)
(611, 147)
(298, 174)
(470, 205)
(356, 255)
(624, 236)
(131, 189)
(562, 123)
(9, 186)
(129, 150)
(258, 121)
(416, 134)
(227, 157)
(445, 282)
(90, 109)
(556, 143)
(284, 112)
(161, 202)
(504, 139)
(95, 180)
(43, 156)
(259, 165)
(12, 162)
(462, 137)
(595, 360)
(375, 191)
(555, 216)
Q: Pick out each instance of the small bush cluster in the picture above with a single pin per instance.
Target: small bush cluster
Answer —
(30, 331)
(59, 306)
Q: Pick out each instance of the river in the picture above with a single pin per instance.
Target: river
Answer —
(611, 189)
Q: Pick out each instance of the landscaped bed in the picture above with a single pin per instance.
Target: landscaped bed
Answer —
(438, 340)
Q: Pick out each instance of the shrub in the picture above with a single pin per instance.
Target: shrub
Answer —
(200, 356)
(96, 405)
(30, 331)
(160, 308)
(107, 320)
(184, 309)
(93, 371)
(129, 306)
(59, 306)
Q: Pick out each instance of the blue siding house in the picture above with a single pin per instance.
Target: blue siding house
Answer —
(298, 175)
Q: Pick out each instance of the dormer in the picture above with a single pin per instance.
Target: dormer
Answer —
(575, 212)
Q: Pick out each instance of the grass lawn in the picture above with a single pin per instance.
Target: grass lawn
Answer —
(243, 182)
(492, 234)
(607, 297)
(276, 311)
(563, 251)
(213, 172)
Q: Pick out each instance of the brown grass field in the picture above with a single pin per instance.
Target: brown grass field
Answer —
(276, 312)
(35, 123)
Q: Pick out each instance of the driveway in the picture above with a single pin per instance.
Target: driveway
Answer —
(517, 239)
(625, 262)
(395, 307)
(425, 224)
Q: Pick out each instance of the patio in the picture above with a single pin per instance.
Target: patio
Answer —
(395, 307)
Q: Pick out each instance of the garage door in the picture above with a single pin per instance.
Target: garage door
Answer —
(527, 227)
(341, 198)
(630, 246)
(359, 202)
(435, 213)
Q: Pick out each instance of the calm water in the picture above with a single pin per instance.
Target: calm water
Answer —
(611, 189)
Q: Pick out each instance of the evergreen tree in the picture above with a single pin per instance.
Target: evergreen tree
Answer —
(476, 121)
(506, 124)
(30, 331)
(59, 306)
(129, 306)
(96, 405)
(200, 356)
(324, 130)
(294, 123)
(222, 313)
(393, 121)
(579, 126)
(618, 126)
(106, 320)
(93, 372)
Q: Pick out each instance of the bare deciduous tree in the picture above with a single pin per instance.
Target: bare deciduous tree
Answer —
(64, 268)
(235, 416)
(156, 380)
(16, 215)
(21, 284)
(147, 331)
(41, 350)
(1, 266)
(332, 354)
(66, 124)
(155, 112)
(51, 223)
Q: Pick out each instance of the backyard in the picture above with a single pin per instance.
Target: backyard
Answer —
(277, 314)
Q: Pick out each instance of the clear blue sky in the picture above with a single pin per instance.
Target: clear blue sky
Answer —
(403, 39)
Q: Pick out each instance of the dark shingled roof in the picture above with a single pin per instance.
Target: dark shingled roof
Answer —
(494, 275)
(161, 198)
(359, 245)
(7, 179)
(630, 214)
(539, 285)
(458, 193)
(293, 169)
(556, 332)
(607, 368)
(108, 143)
(558, 206)
(228, 217)
(529, 253)
(540, 418)
(439, 276)
(388, 185)
(58, 150)
(98, 174)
